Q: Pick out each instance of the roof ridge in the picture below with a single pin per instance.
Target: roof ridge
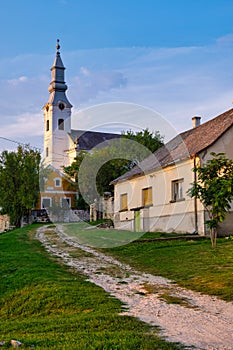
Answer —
(185, 144)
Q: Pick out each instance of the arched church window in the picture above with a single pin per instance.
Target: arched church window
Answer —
(47, 152)
(60, 124)
(47, 125)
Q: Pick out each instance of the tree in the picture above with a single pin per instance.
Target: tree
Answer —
(214, 188)
(150, 139)
(93, 171)
(107, 163)
(19, 182)
(72, 171)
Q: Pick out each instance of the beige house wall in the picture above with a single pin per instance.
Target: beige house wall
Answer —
(164, 214)
(222, 145)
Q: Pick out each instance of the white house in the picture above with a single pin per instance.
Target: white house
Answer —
(153, 196)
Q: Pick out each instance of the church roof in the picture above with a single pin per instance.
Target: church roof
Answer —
(183, 146)
(86, 140)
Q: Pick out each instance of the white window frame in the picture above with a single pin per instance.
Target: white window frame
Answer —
(177, 190)
(55, 180)
(50, 201)
(67, 198)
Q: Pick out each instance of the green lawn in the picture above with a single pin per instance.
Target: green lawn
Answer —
(87, 234)
(46, 306)
(192, 264)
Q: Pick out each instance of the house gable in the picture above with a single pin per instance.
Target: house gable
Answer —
(56, 187)
(183, 146)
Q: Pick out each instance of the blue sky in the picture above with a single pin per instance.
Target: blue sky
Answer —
(174, 57)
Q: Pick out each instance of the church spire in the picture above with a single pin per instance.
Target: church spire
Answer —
(58, 45)
(58, 87)
(57, 117)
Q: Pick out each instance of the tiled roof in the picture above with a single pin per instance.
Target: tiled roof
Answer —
(86, 140)
(183, 146)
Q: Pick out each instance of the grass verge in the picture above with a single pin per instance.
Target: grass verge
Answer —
(192, 264)
(89, 235)
(46, 306)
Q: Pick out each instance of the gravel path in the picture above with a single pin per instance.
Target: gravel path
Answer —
(198, 320)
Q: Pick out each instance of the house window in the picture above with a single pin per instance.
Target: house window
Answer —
(57, 182)
(147, 197)
(47, 125)
(47, 152)
(46, 203)
(65, 202)
(177, 190)
(124, 202)
(60, 124)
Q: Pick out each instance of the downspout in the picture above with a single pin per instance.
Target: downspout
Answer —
(195, 198)
(196, 123)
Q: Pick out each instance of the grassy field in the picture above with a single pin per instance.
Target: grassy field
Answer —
(46, 306)
(100, 238)
(192, 263)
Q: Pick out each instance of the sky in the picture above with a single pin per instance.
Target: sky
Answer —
(130, 64)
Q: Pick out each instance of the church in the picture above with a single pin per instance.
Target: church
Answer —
(61, 142)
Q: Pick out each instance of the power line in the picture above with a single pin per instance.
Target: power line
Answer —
(20, 143)
(5, 138)
(26, 144)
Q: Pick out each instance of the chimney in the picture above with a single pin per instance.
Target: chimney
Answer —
(196, 121)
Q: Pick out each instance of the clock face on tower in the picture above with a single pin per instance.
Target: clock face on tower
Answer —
(61, 106)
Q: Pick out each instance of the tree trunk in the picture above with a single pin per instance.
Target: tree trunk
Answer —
(18, 223)
(213, 236)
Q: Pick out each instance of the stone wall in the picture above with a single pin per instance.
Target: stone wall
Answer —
(102, 209)
(4, 223)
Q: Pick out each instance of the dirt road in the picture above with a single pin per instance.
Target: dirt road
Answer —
(189, 318)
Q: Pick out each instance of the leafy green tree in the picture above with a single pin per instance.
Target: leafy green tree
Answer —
(111, 161)
(72, 171)
(214, 188)
(19, 182)
(150, 139)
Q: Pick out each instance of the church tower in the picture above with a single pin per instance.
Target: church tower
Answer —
(57, 118)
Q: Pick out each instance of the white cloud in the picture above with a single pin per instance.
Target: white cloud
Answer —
(24, 125)
(121, 116)
(17, 81)
(226, 40)
(85, 71)
(176, 82)
(89, 84)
